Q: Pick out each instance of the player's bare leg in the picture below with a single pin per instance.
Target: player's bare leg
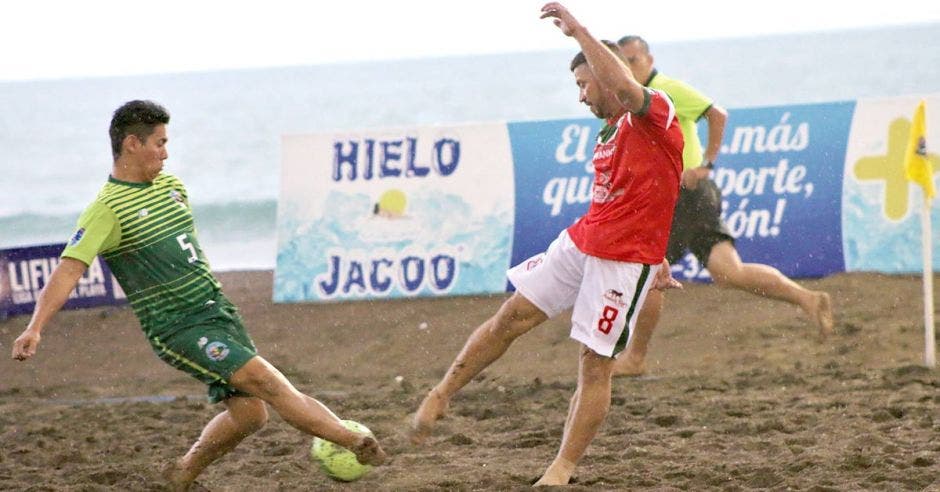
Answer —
(486, 344)
(821, 313)
(632, 361)
(432, 408)
(261, 379)
(243, 416)
(587, 412)
(727, 270)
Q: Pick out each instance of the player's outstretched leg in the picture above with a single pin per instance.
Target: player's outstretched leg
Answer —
(432, 408)
(587, 412)
(261, 379)
(242, 417)
(727, 270)
(632, 361)
(486, 344)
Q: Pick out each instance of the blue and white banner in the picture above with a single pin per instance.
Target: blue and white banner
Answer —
(397, 213)
(810, 189)
(25, 271)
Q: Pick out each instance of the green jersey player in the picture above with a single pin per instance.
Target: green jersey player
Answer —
(142, 225)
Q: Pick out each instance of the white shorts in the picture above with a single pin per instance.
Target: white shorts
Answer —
(606, 294)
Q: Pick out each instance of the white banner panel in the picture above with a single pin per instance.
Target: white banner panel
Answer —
(881, 228)
(395, 213)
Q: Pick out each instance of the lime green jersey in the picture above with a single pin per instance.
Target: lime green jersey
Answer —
(691, 105)
(145, 233)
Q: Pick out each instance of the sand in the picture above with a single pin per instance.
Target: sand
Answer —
(741, 395)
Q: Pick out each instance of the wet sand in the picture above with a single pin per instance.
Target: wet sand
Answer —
(741, 395)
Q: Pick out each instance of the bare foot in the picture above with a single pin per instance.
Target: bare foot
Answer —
(175, 477)
(547, 481)
(431, 409)
(558, 473)
(368, 451)
(822, 314)
(630, 367)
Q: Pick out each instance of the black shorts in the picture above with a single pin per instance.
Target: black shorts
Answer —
(697, 224)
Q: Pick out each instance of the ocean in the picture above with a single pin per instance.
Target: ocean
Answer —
(226, 125)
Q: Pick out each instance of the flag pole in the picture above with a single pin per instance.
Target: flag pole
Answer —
(930, 356)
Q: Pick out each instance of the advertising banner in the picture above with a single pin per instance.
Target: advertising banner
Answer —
(779, 171)
(881, 209)
(554, 179)
(25, 271)
(810, 189)
(395, 213)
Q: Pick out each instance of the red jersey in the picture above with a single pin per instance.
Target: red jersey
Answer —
(637, 170)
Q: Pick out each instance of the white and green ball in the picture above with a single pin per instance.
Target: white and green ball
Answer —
(336, 461)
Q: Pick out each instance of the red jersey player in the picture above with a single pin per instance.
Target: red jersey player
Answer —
(605, 263)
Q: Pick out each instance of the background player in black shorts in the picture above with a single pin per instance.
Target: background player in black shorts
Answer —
(697, 224)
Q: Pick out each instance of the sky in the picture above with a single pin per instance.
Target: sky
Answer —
(50, 39)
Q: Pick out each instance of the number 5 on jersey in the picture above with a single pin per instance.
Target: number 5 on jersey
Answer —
(185, 245)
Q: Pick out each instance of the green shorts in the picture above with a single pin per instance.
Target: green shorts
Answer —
(210, 347)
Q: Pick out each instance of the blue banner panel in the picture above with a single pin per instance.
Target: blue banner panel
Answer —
(25, 271)
(554, 178)
(780, 174)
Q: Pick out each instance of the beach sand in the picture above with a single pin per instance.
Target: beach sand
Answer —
(741, 395)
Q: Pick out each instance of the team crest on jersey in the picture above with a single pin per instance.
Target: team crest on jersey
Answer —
(177, 196)
(217, 351)
(79, 234)
(603, 194)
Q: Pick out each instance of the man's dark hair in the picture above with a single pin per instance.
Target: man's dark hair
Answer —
(629, 38)
(580, 58)
(137, 118)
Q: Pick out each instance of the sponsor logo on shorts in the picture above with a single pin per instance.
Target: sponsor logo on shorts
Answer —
(217, 351)
(79, 234)
(529, 265)
(615, 296)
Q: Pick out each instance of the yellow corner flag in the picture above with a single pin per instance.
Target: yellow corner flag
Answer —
(917, 166)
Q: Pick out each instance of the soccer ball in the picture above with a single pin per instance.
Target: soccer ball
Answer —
(336, 461)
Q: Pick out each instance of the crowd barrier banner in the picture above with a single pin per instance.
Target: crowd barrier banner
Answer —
(779, 172)
(396, 213)
(554, 179)
(810, 189)
(24, 272)
(880, 208)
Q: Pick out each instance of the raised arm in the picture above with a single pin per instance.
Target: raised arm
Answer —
(609, 70)
(53, 296)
